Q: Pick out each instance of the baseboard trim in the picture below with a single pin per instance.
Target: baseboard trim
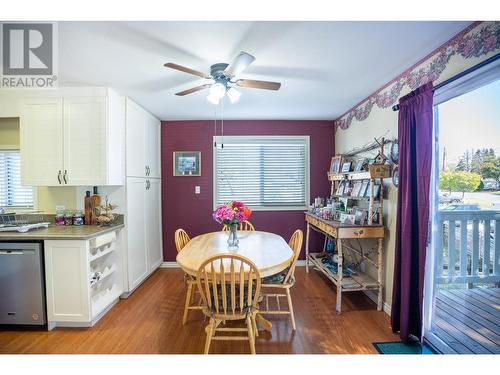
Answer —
(373, 296)
(169, 265)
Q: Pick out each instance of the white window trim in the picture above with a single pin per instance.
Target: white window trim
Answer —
(35, 189)
(220, 140)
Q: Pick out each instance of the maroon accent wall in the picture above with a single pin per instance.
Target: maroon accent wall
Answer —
(182, 208)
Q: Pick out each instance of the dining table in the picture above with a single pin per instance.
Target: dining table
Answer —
(268, 251)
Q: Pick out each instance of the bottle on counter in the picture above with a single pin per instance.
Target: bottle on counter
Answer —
(87, 208)
(95, 200)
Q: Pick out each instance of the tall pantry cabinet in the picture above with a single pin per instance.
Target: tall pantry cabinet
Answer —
(143, 195)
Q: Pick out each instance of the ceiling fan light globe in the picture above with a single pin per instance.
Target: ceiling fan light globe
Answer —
(213, 99)
(217, 90)
(233, 94)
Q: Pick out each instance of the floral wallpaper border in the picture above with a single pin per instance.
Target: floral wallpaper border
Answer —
(476, 40)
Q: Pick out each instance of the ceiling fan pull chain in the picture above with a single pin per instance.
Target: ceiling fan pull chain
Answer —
(215, 127)
(222, 121)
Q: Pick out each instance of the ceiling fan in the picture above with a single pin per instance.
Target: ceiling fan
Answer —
(224, 79)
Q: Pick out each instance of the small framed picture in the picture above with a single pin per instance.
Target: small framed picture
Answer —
(335, 164)
(360, 217)
(364, 188)
(347, 218)
(348, 188)
(346, 167)
(340, 188)
(187, 163)
(359, 165)
(356, 189)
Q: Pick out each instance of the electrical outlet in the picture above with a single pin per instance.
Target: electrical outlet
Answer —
(197, 190)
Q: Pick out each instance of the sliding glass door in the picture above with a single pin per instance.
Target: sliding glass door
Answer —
(462, 286)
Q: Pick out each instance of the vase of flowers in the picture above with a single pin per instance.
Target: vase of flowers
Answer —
(232, 214)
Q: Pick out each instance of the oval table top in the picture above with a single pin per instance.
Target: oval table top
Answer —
(270, 252)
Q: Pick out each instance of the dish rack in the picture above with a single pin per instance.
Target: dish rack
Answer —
(22, 222)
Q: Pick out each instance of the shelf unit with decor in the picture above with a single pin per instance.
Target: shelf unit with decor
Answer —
(375, 173)
(345, 266)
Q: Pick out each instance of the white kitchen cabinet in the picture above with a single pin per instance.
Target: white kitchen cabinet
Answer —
(72, 140)
(137, 254)
(153, 149)
(73, 299)
(143, 141)
(135, 140)
(143, 223)
(153, 223)
(41, 138)
(85, 141)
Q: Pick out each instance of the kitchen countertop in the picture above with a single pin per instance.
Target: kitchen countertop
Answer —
(53, 232)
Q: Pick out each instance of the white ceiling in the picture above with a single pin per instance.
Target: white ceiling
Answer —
(325, 67)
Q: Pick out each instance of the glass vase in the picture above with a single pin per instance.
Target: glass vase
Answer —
(232, 241)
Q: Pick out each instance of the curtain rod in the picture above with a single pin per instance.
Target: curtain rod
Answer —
(459, 75)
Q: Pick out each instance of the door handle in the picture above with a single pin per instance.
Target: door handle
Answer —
(64, 176)
(146, 170)
(59, 177)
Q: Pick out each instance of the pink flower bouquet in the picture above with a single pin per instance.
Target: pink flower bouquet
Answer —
(234, 212)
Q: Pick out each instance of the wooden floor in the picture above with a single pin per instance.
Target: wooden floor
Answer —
(149, 321)
(468, 320)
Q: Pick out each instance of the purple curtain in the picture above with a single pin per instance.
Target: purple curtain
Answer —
(415, 160)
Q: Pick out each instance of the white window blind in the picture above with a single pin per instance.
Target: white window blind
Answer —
(12, 193)
(269, 172)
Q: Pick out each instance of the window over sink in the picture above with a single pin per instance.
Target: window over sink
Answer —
(265, 172)
(12, 193)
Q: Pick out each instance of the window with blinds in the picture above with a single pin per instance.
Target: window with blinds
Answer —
(269, 172)
(12, 193)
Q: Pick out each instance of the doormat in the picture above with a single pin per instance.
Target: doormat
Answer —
(398, 347)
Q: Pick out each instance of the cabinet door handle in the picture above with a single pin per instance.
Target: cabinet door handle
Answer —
(149, 170)
(64, 176)
(59, 177)
(146, 170)
(359, 232)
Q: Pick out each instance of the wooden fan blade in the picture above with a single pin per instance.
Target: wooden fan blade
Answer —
(186, 70)
(239, 64)
(193, 89)
(254, 84)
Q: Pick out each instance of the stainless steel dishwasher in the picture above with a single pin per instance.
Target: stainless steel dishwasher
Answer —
(22, 287)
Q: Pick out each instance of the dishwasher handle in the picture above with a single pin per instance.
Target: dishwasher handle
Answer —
(16, 252)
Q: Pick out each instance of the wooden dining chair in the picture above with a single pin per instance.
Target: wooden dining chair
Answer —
(244, 226)
(284, 281)
(229, 285)
(181, 240)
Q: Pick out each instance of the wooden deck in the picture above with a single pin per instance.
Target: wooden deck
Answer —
(468, 320)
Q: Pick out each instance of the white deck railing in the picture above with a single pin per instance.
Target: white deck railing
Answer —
(468, 247)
